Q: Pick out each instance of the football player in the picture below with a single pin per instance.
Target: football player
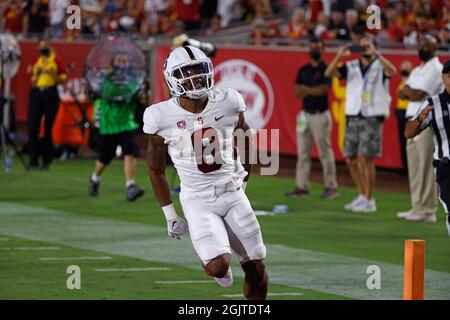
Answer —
(194, 127)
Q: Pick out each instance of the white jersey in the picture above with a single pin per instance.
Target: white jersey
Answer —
(184, 131)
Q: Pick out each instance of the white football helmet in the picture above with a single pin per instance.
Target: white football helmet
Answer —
(188, 72)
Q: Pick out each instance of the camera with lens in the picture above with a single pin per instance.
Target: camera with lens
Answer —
(183, 40)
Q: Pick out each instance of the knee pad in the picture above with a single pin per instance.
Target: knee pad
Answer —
(258, 253)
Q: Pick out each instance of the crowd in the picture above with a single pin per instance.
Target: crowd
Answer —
(144, 17)
(402, 22)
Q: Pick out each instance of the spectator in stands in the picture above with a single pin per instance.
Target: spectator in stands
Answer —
(394, 28)
(154, 7)
(366, 105)
(229, 10)
(312, 86)
(297, 27)
(337, 27)
(352, 28)
(188, 12)
(400, 113)
(47, 73)
(444, 38)
(208, 11)
(13, 17)
(256, 9)
(424, 81)
(36, 17)
(57, 17)
(258, 31)
(321, 28)
(410, 38)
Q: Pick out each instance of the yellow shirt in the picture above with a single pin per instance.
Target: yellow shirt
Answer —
(402, 104)
(47, 79)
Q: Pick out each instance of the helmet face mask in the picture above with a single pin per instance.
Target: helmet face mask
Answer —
(187, 77)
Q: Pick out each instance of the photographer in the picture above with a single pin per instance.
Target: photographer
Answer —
(47, 73)
(114, 114)
(366, 105)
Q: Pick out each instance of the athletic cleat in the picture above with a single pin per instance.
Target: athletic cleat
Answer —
(421, 218)
(93, 188)
(404, 214)
(134, 192)
(365, 206)
(226, 281)
(298, 193)
(354, 203)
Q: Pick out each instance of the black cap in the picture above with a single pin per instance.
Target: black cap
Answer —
(446, 67)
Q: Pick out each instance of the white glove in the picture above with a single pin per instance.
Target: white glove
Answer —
(176, 226)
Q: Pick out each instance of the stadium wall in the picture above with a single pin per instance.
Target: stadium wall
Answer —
(265, 76)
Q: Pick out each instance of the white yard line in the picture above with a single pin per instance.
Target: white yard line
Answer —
(270, 294)
(29, 248)
(130, 269)
(294, 267)
(185, 282)
(73, 258)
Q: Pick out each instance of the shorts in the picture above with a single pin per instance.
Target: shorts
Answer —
(223, 224)
(107, 145)
(363, 137)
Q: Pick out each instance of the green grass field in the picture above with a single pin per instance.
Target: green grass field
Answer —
(315, 251)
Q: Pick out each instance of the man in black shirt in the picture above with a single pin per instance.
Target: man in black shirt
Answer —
(314, 122)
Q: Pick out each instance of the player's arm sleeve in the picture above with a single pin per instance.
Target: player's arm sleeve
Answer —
(427, 121)
(150, 123)
(241, 107)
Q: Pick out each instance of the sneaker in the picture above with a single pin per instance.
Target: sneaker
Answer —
(404, 214)
(226, 281)
(329, 193)
(421, 218)
(365, 206)
(134, 192)
(298, 193)
(93, 188)
(354, 202)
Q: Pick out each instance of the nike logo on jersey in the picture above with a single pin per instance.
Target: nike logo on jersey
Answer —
(218, 118)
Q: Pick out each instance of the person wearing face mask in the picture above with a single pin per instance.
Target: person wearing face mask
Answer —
(114, 117)
(46, 74)
(314, 122)
(366, 106)
(400, 114)
(424, 81)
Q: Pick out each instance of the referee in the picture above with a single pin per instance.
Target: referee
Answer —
(435, 112)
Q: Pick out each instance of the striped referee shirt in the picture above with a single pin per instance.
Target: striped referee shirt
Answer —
(439, 120)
